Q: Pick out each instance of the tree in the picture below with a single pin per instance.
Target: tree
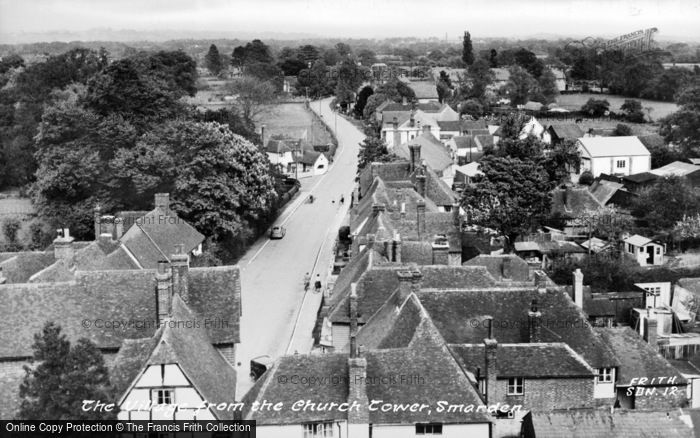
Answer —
(10, 228)
(481, 77)
(596, 107)
(61, 377)
(528, 60)
(309, 54)
(467, 50)
(396, 90)
(622, 130)
(633, 111)
(586, 178)
(253, 52)
(682, 128)
(511, 197)
(343, 50)
(521, 86)
(548, 86)
(373, 150)
(251, 96)
(471, 107)
(666, 202)
(373, 102)
(213, 60)
(561, 161)
(607, 223)
(9, 62)
(365, 93)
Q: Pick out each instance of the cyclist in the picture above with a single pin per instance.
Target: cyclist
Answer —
(317, 284)
(342, 199)
(307, 281)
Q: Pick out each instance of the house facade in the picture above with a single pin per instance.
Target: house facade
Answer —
(645, 251)
(613, 156)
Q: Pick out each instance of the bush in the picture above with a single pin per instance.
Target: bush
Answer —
(39, 236)
(622, 130)
(586, 178)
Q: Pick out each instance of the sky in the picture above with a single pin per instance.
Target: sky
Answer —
(358, 18)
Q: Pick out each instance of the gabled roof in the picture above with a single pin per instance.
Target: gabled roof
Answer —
(277, 145)
(112, 296)
(638, 240)
(459, 315)
(18, 267)
(436, 156)
(531, 360)
(154, 236)
(461, 125)
(483, 140)
(309, 157)
(604, 190)
(637, 358)
(190, 348)
(613, 146)
(418, 351)
(620, 423)
(463, 141)
(568, 131)
(470, 169)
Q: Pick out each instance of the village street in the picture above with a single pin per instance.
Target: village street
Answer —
(278, 316)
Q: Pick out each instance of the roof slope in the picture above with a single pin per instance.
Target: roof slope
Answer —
(568, 131)
(613, 146)
(112, 296)
(590, 423)
(436, 156)
(637, 358)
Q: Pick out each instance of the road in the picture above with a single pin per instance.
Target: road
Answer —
(278, 316)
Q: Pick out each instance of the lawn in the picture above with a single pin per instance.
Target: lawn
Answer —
(294, 120)
(576, 101)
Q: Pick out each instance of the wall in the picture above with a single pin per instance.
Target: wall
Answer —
(662, 398)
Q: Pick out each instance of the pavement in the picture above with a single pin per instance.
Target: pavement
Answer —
(278, 315)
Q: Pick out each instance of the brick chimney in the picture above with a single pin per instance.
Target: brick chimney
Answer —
(396, 248)
(377, 208)
(118, 227)
(534, 323)
(163, 202)
(420, 184)
(358, 419)
(456, 219)
(164, 291)
(416, 281)
(441, 250)
(180, 266)
(97, 216)
(651, 333)
(490, 351)
(420, 213)
(353, 320)
(414, 150)
(63, 247)
(405, 280)
(578, 287)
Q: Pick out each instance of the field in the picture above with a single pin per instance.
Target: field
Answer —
(576, 101)
(294, 120)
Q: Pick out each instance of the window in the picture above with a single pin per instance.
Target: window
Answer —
(515, 386)
(653, 290)
(318, 430)
(428, 429)
(658, 250)
(605, 375)
(163, 396)
(621, 164)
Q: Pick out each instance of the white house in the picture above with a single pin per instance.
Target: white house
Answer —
(405, 126)
(311, 163)
(531, 128)
(282, 151)
(613, 155)
(644, 251)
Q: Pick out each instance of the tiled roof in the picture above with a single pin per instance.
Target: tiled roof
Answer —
(519, 270)
(18, 267)
(155, 235)
(428, 107)
(463, 142)
(437, 190)
(640, 177)
(538, 360)
(637, 358)
(111, 296)
(604, 190)
(603, 423)
(568, 131)
(425, 354)
(637, 240)
(309, 157)
(483, 140)
(454, 311)
(374, 287)
(613, 146)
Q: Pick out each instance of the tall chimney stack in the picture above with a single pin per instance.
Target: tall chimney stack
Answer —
(420, 184)
(578, 288)
(534, 319)
(456, 219)
(405, 280)
(63, 247)
(414, 153)
(353, 320)
(180, 263)
(163, 291)
(420, 212)
(490, 351)
(396, 248)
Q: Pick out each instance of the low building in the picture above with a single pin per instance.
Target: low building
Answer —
(565, 131)
(645, 251)
(613, 155)
(310, 163)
